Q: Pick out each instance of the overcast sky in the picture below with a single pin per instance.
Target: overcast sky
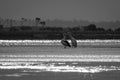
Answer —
(92, 10)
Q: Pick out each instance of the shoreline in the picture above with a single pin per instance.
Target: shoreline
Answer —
(16, 75)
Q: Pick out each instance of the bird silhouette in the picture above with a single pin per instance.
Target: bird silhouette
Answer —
(73, 40)
(64, 42)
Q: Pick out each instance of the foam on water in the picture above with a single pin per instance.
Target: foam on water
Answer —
(61, 68)
(59, 63)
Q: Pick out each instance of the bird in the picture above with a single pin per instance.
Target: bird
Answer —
(73, 40)
(64, 42)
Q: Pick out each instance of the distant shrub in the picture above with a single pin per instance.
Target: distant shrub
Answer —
(90, 27)
(25, 28)
(13, 29)
(100, 29)
(118, 29)
(1, 27)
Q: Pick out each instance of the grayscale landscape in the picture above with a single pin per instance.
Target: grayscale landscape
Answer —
(59, 40)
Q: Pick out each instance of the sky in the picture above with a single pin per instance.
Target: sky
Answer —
(91, 10)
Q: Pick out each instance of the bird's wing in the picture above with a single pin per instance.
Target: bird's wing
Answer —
(65, 43)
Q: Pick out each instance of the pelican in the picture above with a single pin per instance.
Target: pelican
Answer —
(73, 41)
(64, 42)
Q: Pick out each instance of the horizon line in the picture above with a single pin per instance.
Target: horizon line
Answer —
(46, 19)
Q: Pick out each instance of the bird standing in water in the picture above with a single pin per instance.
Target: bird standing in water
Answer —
(73, 40)
(64, 42)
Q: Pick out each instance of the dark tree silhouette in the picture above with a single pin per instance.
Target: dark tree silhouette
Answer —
(1, 27)
(37, 20)
(118, 29)
(22, 21)
(109, 30)
(91, 27)
(13, 29)
(25, 28)
(43, 23)
(100, 29)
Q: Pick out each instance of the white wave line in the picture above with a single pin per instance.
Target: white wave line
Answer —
(67, 68)
(62, 60)
(50, 42)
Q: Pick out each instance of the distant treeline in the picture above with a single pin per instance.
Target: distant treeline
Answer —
(46, 32)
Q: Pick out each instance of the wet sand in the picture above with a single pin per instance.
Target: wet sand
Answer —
(16, 75)
(58, 50)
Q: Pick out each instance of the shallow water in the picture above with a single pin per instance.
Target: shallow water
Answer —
(49, 60)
